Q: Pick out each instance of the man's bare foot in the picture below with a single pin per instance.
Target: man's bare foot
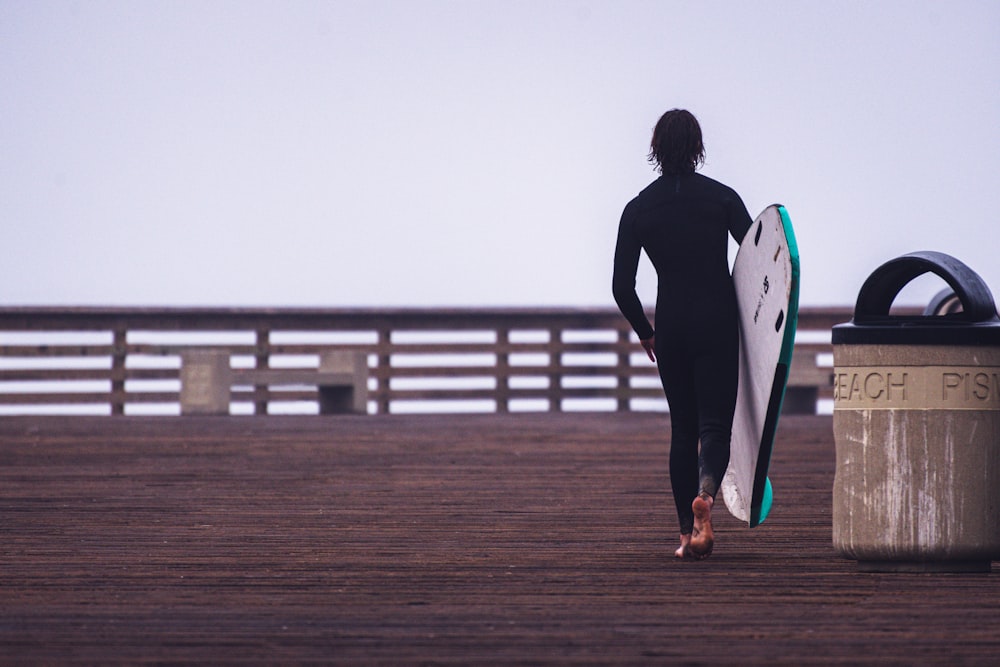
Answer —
(703, 538)
(684, 549)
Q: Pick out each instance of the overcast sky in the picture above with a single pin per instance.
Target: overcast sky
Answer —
(409, 153)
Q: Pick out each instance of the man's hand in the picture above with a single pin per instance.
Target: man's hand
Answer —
(649, 345)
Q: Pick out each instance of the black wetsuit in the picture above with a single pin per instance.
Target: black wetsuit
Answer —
(683, 223)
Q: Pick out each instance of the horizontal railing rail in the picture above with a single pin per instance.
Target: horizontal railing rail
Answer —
(126, 360)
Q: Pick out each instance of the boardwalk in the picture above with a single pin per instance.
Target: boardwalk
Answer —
(434, 539)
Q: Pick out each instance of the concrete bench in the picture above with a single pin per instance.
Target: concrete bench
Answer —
(207, 380)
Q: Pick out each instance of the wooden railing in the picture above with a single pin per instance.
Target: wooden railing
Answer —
(126, 360)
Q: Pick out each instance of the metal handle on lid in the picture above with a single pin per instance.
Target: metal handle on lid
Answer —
(882, 286)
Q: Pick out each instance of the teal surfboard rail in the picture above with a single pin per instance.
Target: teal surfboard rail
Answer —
(766, 496)
(788, 342)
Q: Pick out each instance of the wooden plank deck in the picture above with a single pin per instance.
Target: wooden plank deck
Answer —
(499, 539)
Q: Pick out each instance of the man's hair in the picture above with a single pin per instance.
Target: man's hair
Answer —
(676, 147)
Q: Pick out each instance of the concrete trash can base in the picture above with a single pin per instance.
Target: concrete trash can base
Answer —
(917, 426)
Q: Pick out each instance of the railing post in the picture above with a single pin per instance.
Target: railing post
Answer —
(118, 357)
(555, 369)
(383, 370)
(624, 371)
(262, 359)
(503, 371)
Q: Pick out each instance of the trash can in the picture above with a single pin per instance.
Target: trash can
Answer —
(943, 303)
(917, 426)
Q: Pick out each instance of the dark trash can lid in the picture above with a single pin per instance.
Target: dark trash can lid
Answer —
(976, 324)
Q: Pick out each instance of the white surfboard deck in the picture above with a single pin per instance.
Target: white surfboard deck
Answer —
(766, 276)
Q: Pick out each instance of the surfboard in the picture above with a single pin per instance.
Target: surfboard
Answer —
(766, 276)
